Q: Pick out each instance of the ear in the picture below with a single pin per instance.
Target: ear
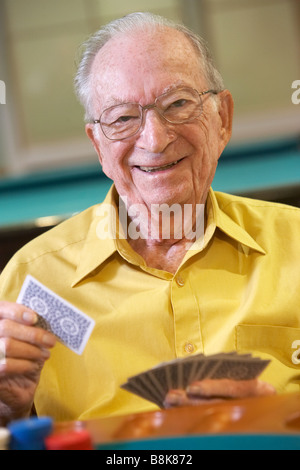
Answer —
(89, 129)
(226, 115)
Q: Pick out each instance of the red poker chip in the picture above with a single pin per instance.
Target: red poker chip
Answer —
(71, 440)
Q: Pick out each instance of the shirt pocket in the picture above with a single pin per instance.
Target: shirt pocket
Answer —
(279, 344)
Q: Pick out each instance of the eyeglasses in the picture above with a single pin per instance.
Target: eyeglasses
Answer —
(177, 107)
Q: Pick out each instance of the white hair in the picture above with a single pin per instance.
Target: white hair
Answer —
(128, 24)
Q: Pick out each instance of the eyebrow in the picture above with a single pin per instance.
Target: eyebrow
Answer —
(112, 101)
(178, 84)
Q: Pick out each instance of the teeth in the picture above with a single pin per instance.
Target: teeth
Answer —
(150, 169)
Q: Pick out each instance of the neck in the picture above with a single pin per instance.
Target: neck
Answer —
(163, 235)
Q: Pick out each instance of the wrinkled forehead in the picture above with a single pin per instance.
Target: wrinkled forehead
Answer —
(149, 46)
(139, 61)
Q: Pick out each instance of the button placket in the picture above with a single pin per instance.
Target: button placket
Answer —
(186, 316)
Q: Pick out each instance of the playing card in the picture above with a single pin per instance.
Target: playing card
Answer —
(159, 381)
(179, 372)
(71, 326)
(142, 385)
(205, 366)
(238, 368)
(141, 389)
(171, 374)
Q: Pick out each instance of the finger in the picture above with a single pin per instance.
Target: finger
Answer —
(12, 367)
(264, 389)
(227, 388)
(18, 313)
(12, 348)
(26, 334)
(178, 397)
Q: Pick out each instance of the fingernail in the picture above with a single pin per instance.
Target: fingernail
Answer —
(175, 397)
(46, 353)
(194, 389)
(30, 317)
(49, 340)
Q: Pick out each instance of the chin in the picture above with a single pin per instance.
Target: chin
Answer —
(169, 199)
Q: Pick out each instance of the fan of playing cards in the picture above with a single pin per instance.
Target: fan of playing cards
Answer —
(154, 384)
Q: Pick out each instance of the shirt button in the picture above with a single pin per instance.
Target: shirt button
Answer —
(180, 281)
(189, 348)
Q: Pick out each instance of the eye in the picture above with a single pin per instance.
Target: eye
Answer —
(120, 115)
(178, 103)
(122, 119)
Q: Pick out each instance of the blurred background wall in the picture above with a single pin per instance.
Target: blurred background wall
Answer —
(256, 45)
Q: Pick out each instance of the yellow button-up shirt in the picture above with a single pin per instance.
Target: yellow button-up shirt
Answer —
(240, 291)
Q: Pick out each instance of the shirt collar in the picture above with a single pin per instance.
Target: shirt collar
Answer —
(100, 242)
(218, 217)
(104, 238)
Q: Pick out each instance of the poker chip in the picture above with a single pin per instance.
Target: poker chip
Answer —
(71, 440)
(30, 434)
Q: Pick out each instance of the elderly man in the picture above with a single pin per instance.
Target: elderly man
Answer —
(159, 118)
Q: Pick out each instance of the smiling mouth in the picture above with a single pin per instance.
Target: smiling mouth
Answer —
(152, 169)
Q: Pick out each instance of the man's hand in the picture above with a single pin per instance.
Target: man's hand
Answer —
(208, 391)
(25, 349)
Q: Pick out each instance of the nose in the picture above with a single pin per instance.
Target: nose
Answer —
(156, 133)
